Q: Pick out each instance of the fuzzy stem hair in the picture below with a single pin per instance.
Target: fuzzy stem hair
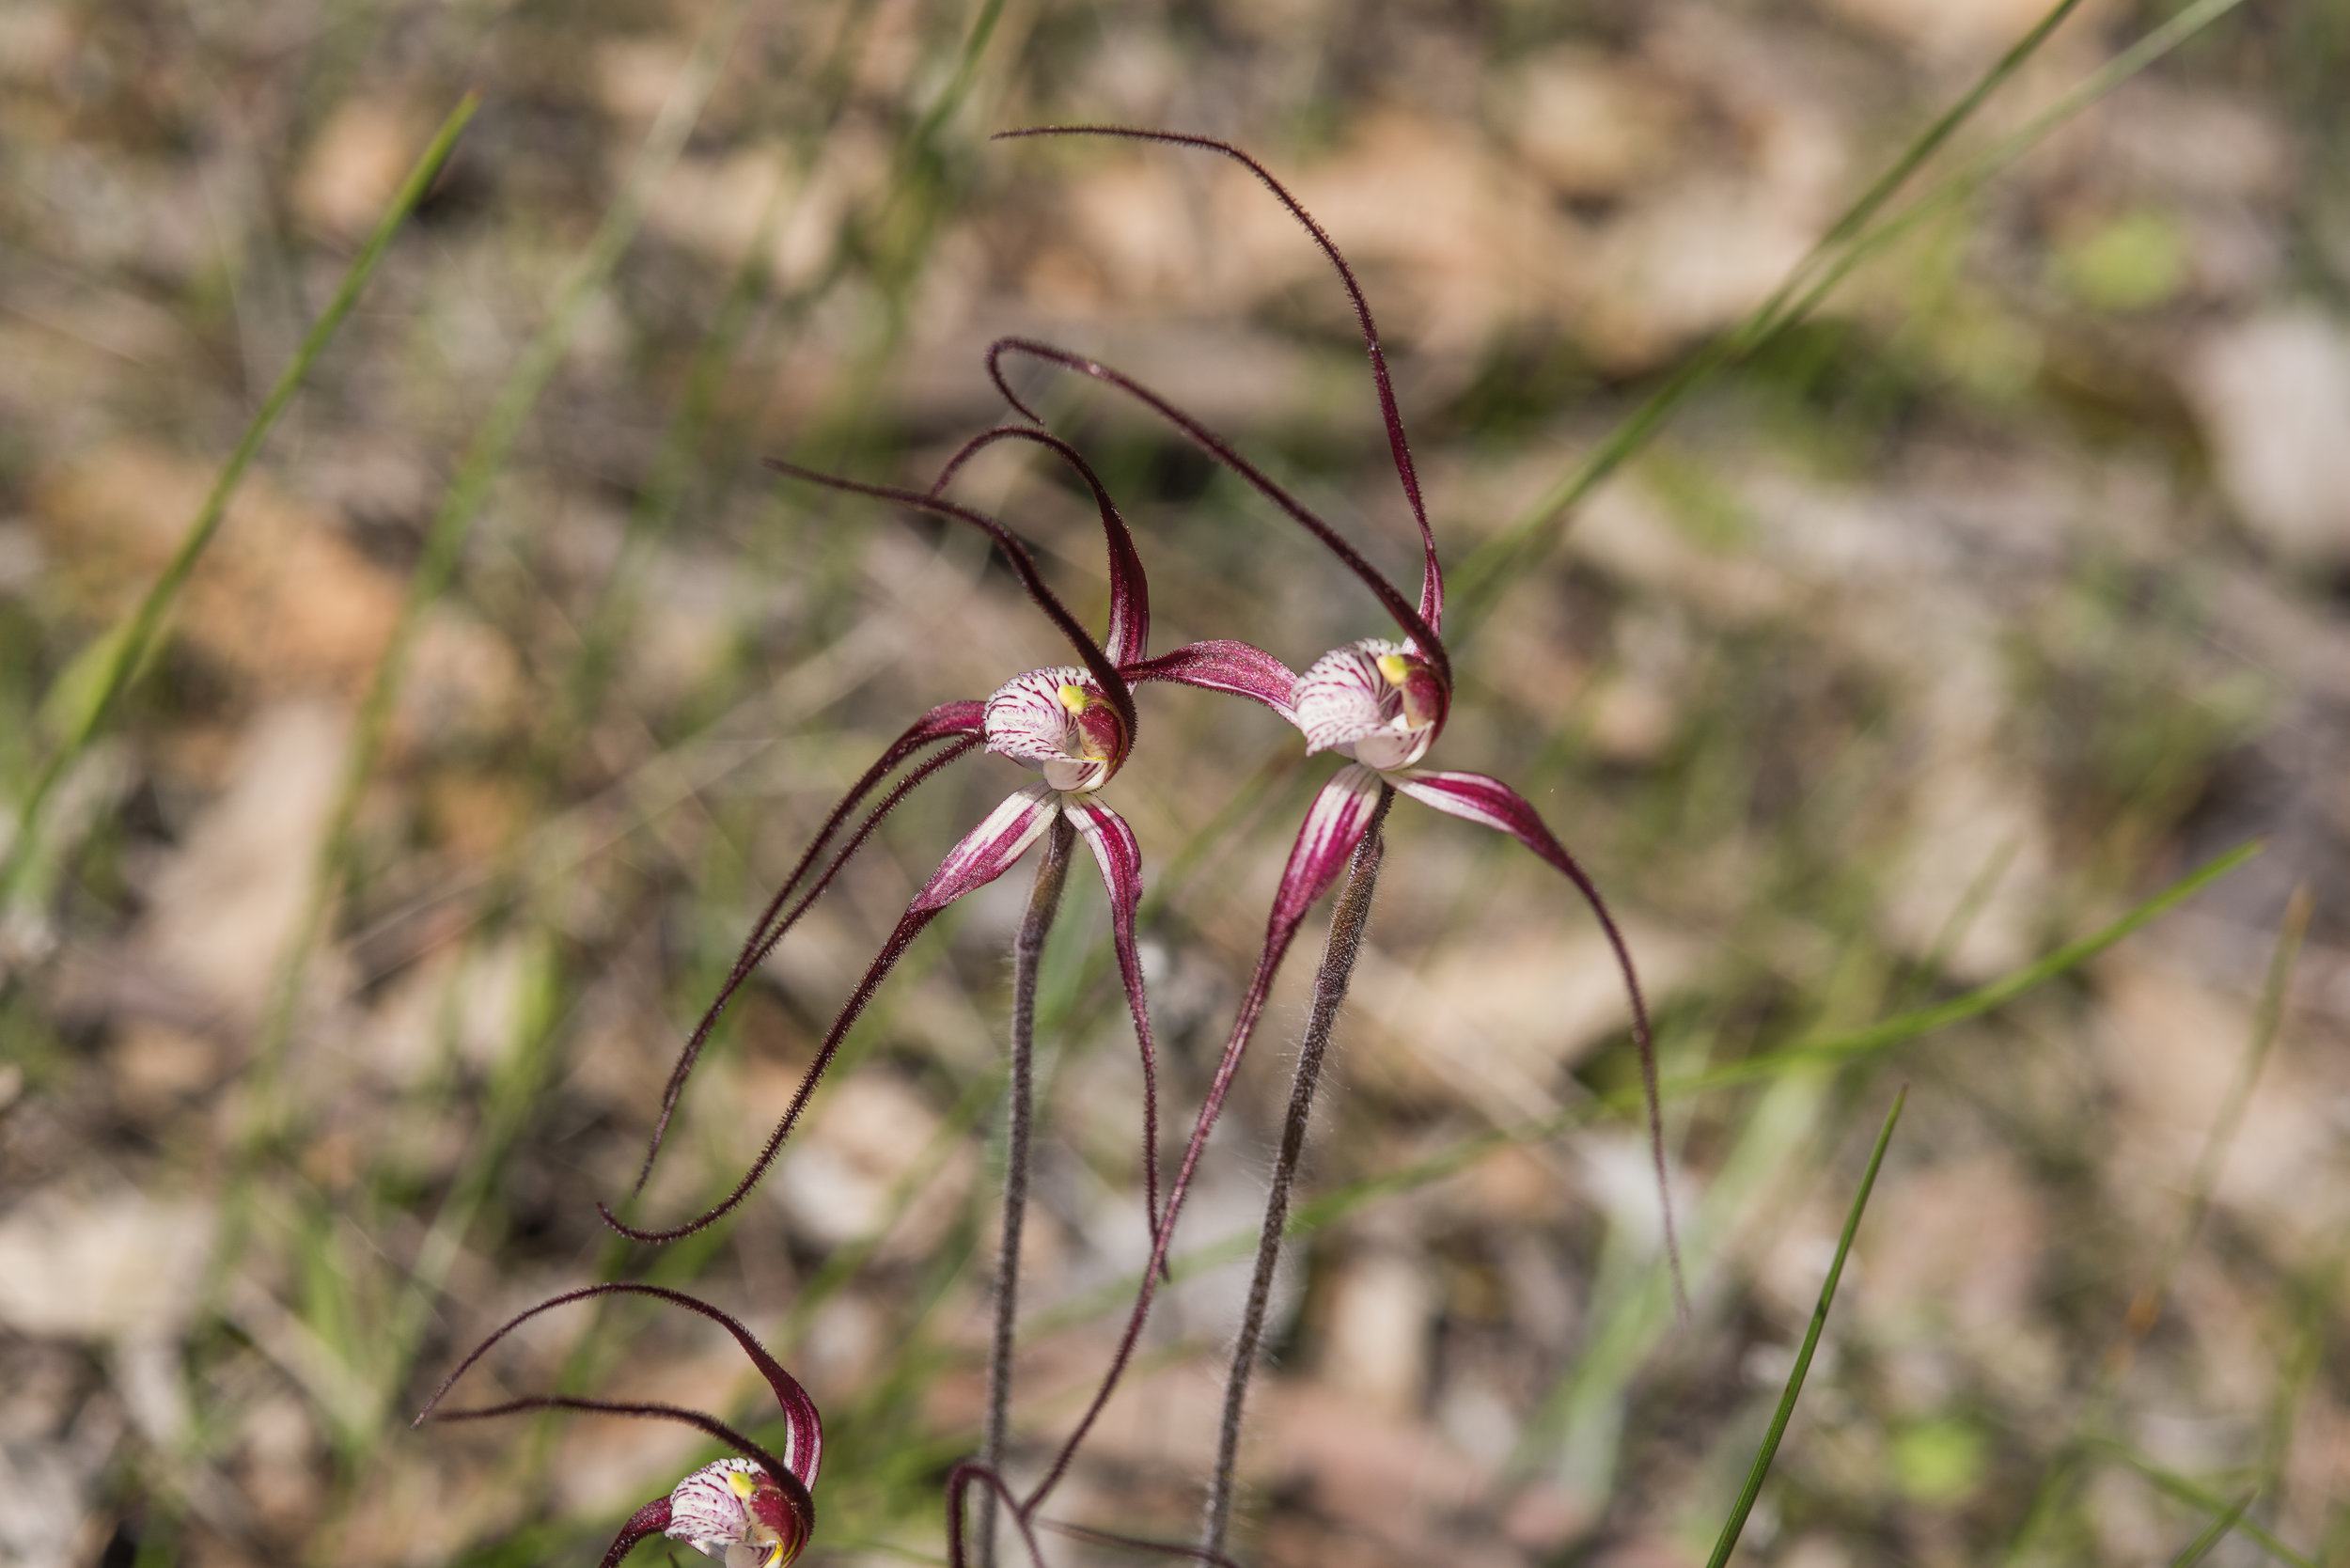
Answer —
(1212, 1107)
(1350, 917)
(1027, 954)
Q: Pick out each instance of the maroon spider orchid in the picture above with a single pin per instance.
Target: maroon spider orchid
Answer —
(1071, 725)
(753, 1511)
(1380, 703)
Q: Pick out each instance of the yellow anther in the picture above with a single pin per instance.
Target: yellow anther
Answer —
(1074, 697)
(1396, 668)
(743, 1483)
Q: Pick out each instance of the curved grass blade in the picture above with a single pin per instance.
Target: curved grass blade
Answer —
(123, 651)
(680, 457)
(1490, 568)
(1973, 1004)
(1761, 1465)
(2060, 1480)
(2266, 1019)
(452, 522)
(2173, 1485)
(1980, 170)
(2214, 1534)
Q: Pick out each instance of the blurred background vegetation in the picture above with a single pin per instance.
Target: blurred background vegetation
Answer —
(344, 965)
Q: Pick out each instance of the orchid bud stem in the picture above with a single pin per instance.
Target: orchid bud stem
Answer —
(1350, 917)
(1027, 954)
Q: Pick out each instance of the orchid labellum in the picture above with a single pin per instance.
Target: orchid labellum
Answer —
(753, 1511)
(1073, 725)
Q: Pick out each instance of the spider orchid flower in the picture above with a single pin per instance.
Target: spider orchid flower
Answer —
(752, 1510)
(1380, 703)
(1071, 725)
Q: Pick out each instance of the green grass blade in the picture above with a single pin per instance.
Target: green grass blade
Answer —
(2175, 1485)
(462, 504)
(2266, 1018)
(2146, 1306)
(681, 456)
(1489, 565)
(2213, 1534)
(1761, 1465)
(1975, 1003)
(1500, 560)
(1927, 145)
(125, 648)
(950, 98)
(1978, 171)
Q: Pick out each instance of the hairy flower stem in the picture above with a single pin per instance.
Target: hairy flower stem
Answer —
(1349, 918)
(1279, 932)
(1027, 954)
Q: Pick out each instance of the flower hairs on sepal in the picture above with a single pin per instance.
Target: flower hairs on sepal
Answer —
(754, 1511)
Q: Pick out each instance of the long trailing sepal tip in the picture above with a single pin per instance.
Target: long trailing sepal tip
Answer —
(804, 1451)
(1488, 802)
(1399, 445)
(955, 722)
(1016, 554)
(1129, 635)
(1415, 626)
(1342, 813)
(911, 924)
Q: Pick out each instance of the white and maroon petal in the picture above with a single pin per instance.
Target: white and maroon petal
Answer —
(1474, 797)
(1057, 721)
(1130, 591)
(710, 1510)
(803, 1449)
(988, 850)
(1337, 699)
(1393, 746)
(1334, 825)
(1220, 665)
(1373, 700)
(1016, 554)
(1431, 575)
(733, 1510)
(948, 719)
(1025, 719)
